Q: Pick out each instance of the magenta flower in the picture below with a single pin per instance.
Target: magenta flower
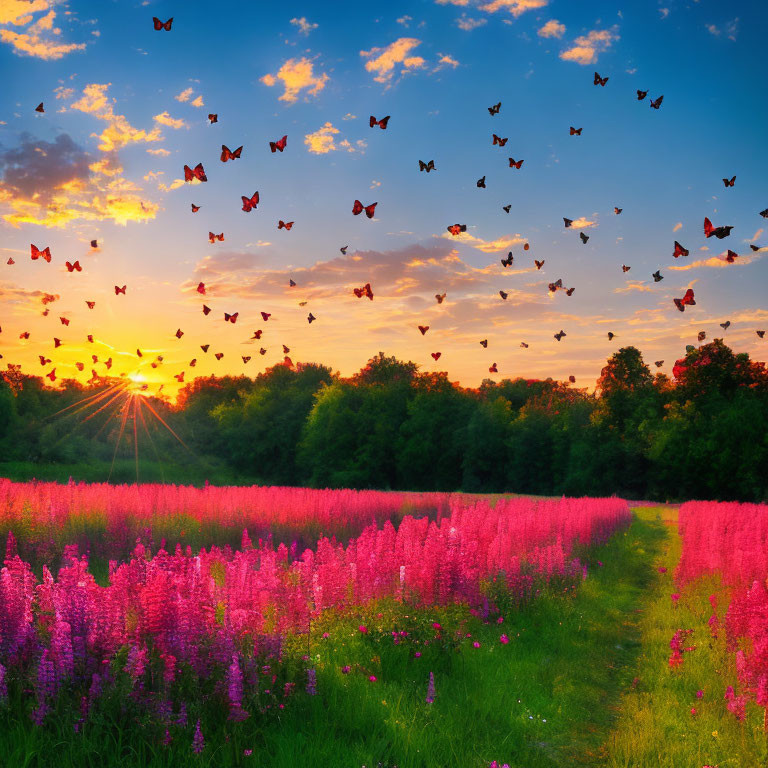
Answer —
(198, 742)
(693, 711)
(417, 654)
(372, 678)
(362, 628)
(476, 644)
(503, 639)
(247, 752)
(662, 569)
(346, 669)
(675, 597)
(699, 694)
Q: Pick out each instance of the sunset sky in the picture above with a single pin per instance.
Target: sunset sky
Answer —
(126, 107)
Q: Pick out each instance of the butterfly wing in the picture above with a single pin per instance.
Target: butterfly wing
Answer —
(370, 210)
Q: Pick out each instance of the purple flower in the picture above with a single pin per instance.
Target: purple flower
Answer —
(431, 689)
(699, 694)
(312, 682)
(3, 684)
(346, 669)
(198, 742)
(503, 639)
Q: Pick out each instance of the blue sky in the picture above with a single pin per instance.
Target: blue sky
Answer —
(126, 107)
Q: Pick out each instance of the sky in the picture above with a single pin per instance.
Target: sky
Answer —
(126, 107)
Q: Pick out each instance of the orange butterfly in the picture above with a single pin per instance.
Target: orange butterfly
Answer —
(213, 238)
(423, 329)
(56, 343)
(575, 131)
(166, 25)
(73, 267)
(278, 145)
(179, 333)
(204, 347)
(493, 369)
(44, 360)
(455, 229)
(91, 304)
(179, 377)
(198, 172)
(257, 334)
(52, 374)
(381, 123)
(515, 164)
(250, 203)
(39, 107)
(79, 366)
(262, 351)
(285, 350)
(120, 290)
(436, 355)
(498, 140)
(284, 225)
(228, 154)
(219, 355)
(364, 291)
(266, 316)
(64, 320)
(246, 358)
(193, 362)
(358, 208)
(195, 208)
(230, 318)
(214, 118)
(38, 254)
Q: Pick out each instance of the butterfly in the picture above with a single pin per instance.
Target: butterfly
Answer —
(436, 355)
(24, 335)
(195, 208)
(567, 222)
(658, 363)
(657, 276)
(554, 286)
(508, 261)
(575, 131)
(201, 288)
(754, 247)
(246, 358)
(687, 299)
(358, 208)
(206, 309)
(702, 335)
(381, 123)
(617, 211)
(286, 350)
(179, 333)
(52, 374)
(718, 232)
(44, 360)
(204, 347)
(257, 334)
(198, 172)
(484, 343)
(440, 297)
(64, 320)
(266, 315)
(679, 250)
(119, 290)
(572, 379)
(726, 325)
(611, 336)
(45, 313)
(139, 353)
(506, 208)
(230, 318)
(179, 377)
(291, 283)
(515, 164)
(562, 333)
(364, 291)
(262, 351)
(729, 183)
(250, 203)
(764, 213)
(310, 318)
(526, 247)
(73, 267)
(539, 264)
(38, 254)
(302, 303)
(218, 355)
(731, 256)
(56, 343)
(90, 338)
(600, 80)
(39, 107)
(493, 369)
(641, 95)
(166, 25)
(625, 268)
(80, 366)
(108, 363)
(278, 145)
(494, 110)
(344, 250)
(228, 154)
(94, 243)
(423, 329)
(656, 104)
(91, 304)
(455, 229)
(10, 261)
(523, 345)
(583, 237)
(430, 166)
(503, 295)
(213, 117)
(193, 362)
(569, 291)
(761, 334)
(481, 183)
(213, 238)
(284, 225)
(498, 140)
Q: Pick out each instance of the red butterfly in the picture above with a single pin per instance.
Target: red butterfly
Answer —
(246, 358)
(572, 379)
(284, 225)
(91, 304)
(679, 250)
(539, 264)
(730, 257)
(64, 320)
(38, 254)
(288, 362)
(266, 316)
(569, 291)
(484, 343)
(204, 347)
(198, 172)
(493, 369)
(139, 353)
(364, 291)
(310, 318)
(455, 229)
(554, 286)
(513, 164)
(90, 337)
(616, 210)
(249, 203)
(600, 80)
(39, 107)
(120, 290)
(24, 335)
(641, 95)
(10, 261)
(79, 366)
(656, 104)
(228, 154)
(214, 118)
(498, 140)
(195, 208)
(44, 360)
(687, 299)
(729, 182)
(179, 377)
(761, 334)
(436, 355)
(524, 345)
(285, 350)
(625, 268)
(257, 334)
(381, 123)
(494, 110)
(576, 131)
(56, 343)
(193, 362)
(423, 329)
(358, 207)
(718, 232)
(73, 267)
(231, 318)
(213, 238)
(262, 351)
(179, 333)
(52, 375)
(702, 335)
(440, 297)
(201, 288)
(219, 355)
(206, 309)
(278, 145)
(166, 25)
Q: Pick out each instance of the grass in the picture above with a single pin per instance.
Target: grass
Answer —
(547, 698)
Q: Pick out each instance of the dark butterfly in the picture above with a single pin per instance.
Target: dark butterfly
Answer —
(214, 118)
(494, 110)
(179, 333)
(761, 334)
(493, 369)
(498, 140)
(218, 355)
(539, 264)
(600, 80)
(285, 225)
(24, 335)
(56, 343)
(73, 267)
(250, 203)
(484, 343)
(455, 229)
(44, 360)
(567, 222)
(10, 261)
(91, 304)
(508, 261)
(572, 379)
(440, 297)
(38, 254)
(64, 320)
(515, 164)
(702, 335)
(754, 247)
(718, 232)
(726, 325)
(381, 123)
(139, 353)
(195, 208)
(481, 183)
(658, 363)
(657, 276)
(286, 350)
(617, 211)
(364, 291)
(764, 213)
(230, 318)
(679, 250)
(656, 104)
(94, 243)
(310, 318)
(52, 374)
(729, 183)
(503, 295)
(611, 336)
(641, 95)
(206, 309)
(257, 334)
(358, 208)
(344, 250)
(228, 154)
(506, 208)
(562, 333)
(423, 329)
(262, 351)
(279, 145)
(625, 268)
(436, 355)
(39, 107)
(430, 166)
(80, 366)
(198, 172)
(575, 131)
(731, 256)
(201, 288)
(569, 291)
(265, 316)
(246, 358)
(523, 345)
(213, 238)
(583, 237)
(90, 338)
(291, 283)
(120, 290)
(687, 299)
(166, 25)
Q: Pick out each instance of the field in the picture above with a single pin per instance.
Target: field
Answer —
(167, 625)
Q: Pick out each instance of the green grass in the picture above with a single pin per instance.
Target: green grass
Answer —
(546, 699)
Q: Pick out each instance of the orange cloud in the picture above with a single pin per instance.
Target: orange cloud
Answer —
(719, 261)
(445, 60)
(39, 38)
(486, 246)
(515, 7)
(297, 75)
(383, 61)
(165, 119)
(587, 47)
(583, 223)
(634, 285)
(552, 28)
(18, 11)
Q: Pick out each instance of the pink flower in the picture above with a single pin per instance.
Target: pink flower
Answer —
(662, 569)
(247, 752)
(326, 635)
(436, 625)
(500, 620)
(345, 670)
(693, 711)
(372, 678)
(417, 654)
(476, 644)
(503, 639)
(198, 742)
(362, 628)
(699, 694)
(675, 597)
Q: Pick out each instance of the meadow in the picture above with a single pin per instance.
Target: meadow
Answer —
(266, 626)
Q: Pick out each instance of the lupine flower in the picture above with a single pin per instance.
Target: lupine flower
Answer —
(312, 682)
(431, 689)
(198, 742)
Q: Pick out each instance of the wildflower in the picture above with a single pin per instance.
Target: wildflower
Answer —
(500, 620)
(3, 684)
(363, 629)
(326, 635)
(436, 625)
(345, 670)
(693, 711)
(431, 689)
(503, 639)
(372, 678)
(476, 644)
(198, 742)
(247, 752)
(699, 694)
(417, 654)
(675, 597)
(166, 738)
(662, 569)
(312, 682)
